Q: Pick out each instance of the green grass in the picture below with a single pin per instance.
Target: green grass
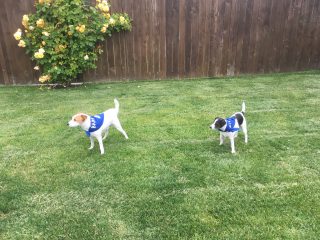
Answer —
(171, 179)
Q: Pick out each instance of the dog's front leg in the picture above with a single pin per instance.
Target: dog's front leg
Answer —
(233, 150)
(101, 144)
(221, 138)
(92, 143)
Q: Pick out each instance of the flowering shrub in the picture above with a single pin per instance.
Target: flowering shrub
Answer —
(63, 36)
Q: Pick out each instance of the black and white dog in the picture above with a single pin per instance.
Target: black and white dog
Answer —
(230, 127)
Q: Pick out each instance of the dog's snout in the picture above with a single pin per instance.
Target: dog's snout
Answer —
(67, 124)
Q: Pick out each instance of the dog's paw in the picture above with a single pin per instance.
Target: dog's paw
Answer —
(90, 148)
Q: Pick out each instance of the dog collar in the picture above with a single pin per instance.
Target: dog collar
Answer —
(231, 125)
(96, 122)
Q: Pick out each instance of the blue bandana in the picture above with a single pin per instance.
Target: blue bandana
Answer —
(96, 122)
(232, 125)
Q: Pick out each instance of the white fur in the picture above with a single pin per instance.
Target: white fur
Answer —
(243, 107)
(233, 135)
(110, 119)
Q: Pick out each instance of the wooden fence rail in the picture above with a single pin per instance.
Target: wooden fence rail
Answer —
(187, 38)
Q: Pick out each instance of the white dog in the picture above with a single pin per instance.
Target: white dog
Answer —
(230, 127)
(97, 125)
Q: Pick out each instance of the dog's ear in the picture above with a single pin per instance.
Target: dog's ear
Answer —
(219, 123)
(83, 117)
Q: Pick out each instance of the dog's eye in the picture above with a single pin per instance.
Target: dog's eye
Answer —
(74, 120)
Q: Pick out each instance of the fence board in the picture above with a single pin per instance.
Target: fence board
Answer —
(186, 38)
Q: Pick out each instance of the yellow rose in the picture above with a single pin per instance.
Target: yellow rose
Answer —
(112, 21)
(43, 43)
(36, 68)
(31, 28)
(99, 6)
(46, 34)
(81, 28)
(25, 18)
(103, 30)
(25, 21)
(22, 43)
(62, 47)
(40, 23)
(86, 57)
(100, 51)
(18, 34)
(44, 78)
(44, 1)
(38, 55)
(107, 15)
(105, 8)
(122, 20)
(41, 50)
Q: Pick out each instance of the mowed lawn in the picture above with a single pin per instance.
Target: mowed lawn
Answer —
(171, 179)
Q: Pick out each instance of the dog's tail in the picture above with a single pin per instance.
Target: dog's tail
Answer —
(243, 110)
(116, 105)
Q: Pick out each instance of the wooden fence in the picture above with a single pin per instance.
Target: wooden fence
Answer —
(187, 38)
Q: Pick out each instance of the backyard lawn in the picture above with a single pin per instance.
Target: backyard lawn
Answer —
(171, 179)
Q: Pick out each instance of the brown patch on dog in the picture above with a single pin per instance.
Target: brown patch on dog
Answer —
(83, 117)
(80, 118)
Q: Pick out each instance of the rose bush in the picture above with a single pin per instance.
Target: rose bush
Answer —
(63, 36)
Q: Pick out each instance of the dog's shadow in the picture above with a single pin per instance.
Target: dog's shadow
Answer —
(225, 148)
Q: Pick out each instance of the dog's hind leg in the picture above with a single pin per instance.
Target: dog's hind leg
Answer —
(245, 130)
(101, 144)
(233, 150)
(116, 123)
(105, 134)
